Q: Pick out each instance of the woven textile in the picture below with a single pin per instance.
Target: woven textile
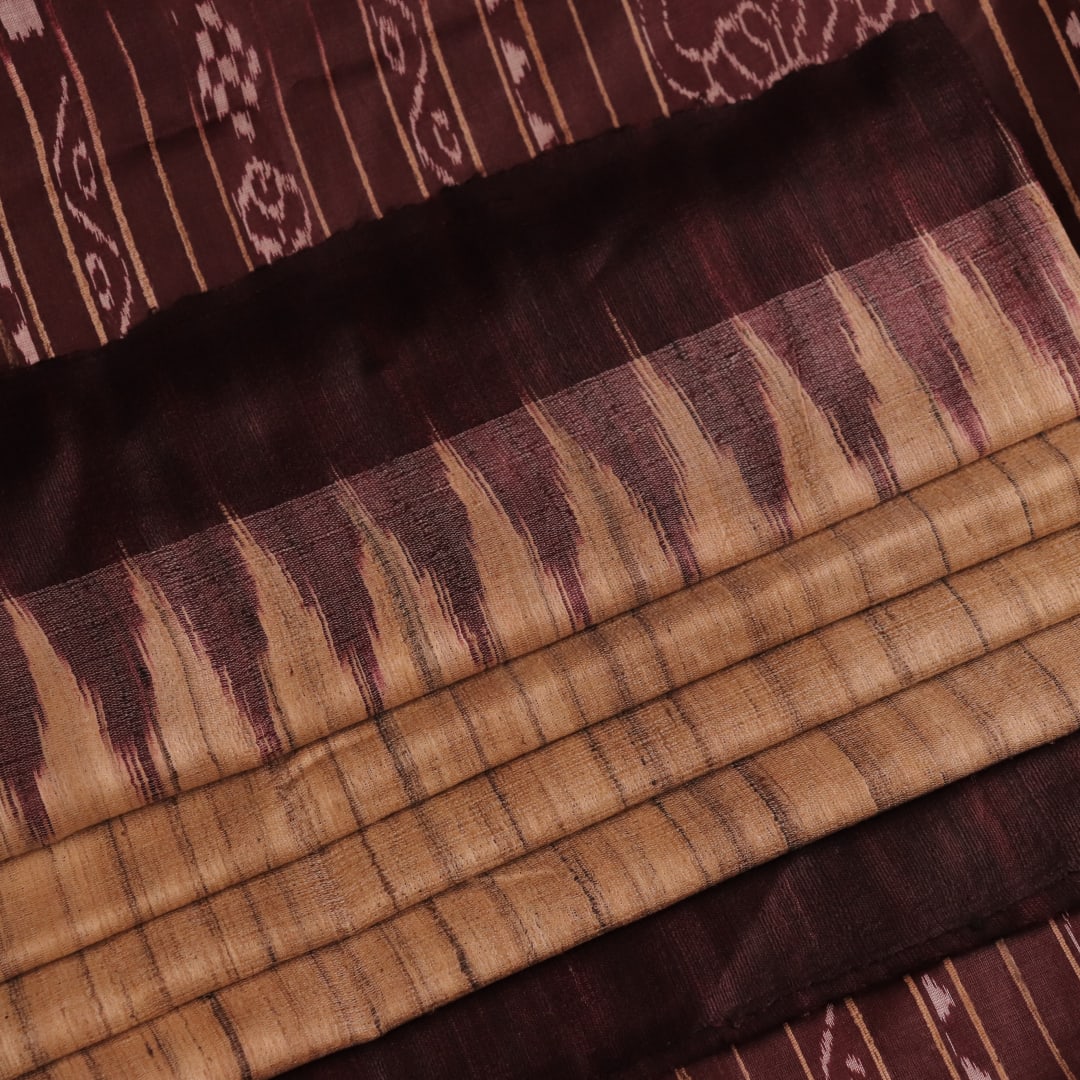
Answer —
(765, 521)
(1008, 1009)
(988, 855)
(157, 149)
(160, 150)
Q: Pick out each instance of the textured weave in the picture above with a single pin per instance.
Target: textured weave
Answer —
(484, 928)
(155, 149)
(1008, 1009)
(703, 450)
(366, 774)
(985, 856)
(757, 549)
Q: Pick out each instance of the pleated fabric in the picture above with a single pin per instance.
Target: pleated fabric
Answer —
(768, 524)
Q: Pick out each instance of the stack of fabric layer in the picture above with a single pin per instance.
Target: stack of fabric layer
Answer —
(581, 575)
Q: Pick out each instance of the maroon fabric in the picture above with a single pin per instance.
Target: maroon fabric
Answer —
(154, 149)
(991, 854)
(457, 311)
(1028, 56)
(1007, 1009)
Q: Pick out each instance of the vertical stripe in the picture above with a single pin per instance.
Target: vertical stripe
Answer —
(1065, 948)
(592, 63)
(931, 1026)
(340, 113)
(519, 119)
(300, 163)
(1029, 1001)
(219, 183)
(151, 142)
(436, 51)
(541, 69)
(54, 200)
(742, 1065)
(1029, 104)
(645, 61)
(1063, 45)
(20, 274)
(103, 160)
(976, 1020)
(864, 1031)
(403, 138)
(798, 1052)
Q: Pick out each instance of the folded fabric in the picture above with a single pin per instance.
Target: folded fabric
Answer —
(765, 520)
(989, 855)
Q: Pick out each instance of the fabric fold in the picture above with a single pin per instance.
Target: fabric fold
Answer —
(646, 858)
(769, 523)
(80, 890)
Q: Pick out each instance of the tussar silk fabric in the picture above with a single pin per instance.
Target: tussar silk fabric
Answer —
(755, 534)
(765, 521)
(993, 853)
(1008, 1009)
(157, 150)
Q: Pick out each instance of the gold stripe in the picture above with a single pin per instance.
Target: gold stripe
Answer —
(103, 160)
(54, 201)
(403, 138)
(742, 1065)
(1029, 104)
(223, 194)
(931, 1026)
(301, 165)
(542, 71)
(522, 129)
(151, 142)
(798, 1052)
(1029, 1001)
(864, 1031)
(1065, 948)
(646, 63)
(9, 238)
(340, 112)
(444, 71)
(592, 63)
(976, 1020)
(1063, 45)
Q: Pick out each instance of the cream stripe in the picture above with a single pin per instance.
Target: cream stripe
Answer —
(220, 185)
(1029, 104)
(403, 137)
(1029, 1001)
(542, 71)
(1065, 948)
(742, 1065)
(592, 63)
(54, 201)
(444, 71)
(525, 138)
(300, 164)
(931, 1026)
(864, 1031)
(340, 112)
(103, 161)
(645, 61)
(151, 143)
(798, 1052)
(16, 263)
(1063, 45)
(976, 1020)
